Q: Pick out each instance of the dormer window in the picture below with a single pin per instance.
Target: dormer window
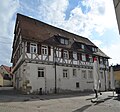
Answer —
(64, 41)
(82, 46)
(94, 49)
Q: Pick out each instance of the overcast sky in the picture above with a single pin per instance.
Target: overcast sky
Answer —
(94, 19)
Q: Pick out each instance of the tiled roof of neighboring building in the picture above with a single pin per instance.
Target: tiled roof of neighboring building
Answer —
(8, 69)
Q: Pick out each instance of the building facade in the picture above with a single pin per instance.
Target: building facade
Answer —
(5, 76)
(47, 59)
(116, 73)
(117, 11)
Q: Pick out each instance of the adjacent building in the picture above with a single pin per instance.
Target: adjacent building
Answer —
(117, 11)
(116, 73)
(5, 76)
(47, 59)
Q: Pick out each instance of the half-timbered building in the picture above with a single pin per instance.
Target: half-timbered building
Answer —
(47, 59)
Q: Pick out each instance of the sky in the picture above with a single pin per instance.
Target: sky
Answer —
(93, 19)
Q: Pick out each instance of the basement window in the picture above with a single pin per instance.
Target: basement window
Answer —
(41, 72)
(77, 85)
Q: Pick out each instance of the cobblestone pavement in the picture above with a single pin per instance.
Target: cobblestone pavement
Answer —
(58, 103)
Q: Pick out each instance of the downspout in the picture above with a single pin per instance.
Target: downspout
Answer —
(55, 63)
(55, 79)
(105, 76)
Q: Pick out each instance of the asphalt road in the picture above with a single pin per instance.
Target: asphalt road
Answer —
(11, 101)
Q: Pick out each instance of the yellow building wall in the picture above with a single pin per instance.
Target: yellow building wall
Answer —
(117, 75)
(2, 70)
(7, 82)
(1, 80)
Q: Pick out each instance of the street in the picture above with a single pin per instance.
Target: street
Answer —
(14, 102)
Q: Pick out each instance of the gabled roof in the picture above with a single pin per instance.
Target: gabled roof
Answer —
(35, 30)
(8, 69)
(100, 53)
(40, 31)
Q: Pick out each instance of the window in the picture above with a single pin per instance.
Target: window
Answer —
(65, 54)
(90, 74)
(84, 74)
(44, 50)
(101, 74)
(74, 72)
(33, 48)
(106, 62)
(75, 55)
(83, 57)
(64, 41)
(77, 85)
(41, 72)
(94, 49)
(101, 61)
(65, 73)
(82, 46)
(90, 58)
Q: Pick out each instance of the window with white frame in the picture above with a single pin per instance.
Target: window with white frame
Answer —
(90, 58)
(74, 72)
(82, 46)
(65, 54)
(94, 49)
(33, 48)
(84, 75)
(75, 55)
(90, 74)
(41, 72)
(65, 73)
(44, 50)
(64, 41)
(101, 60)
(83, 57)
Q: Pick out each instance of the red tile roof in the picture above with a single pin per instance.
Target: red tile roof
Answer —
(8, 69)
